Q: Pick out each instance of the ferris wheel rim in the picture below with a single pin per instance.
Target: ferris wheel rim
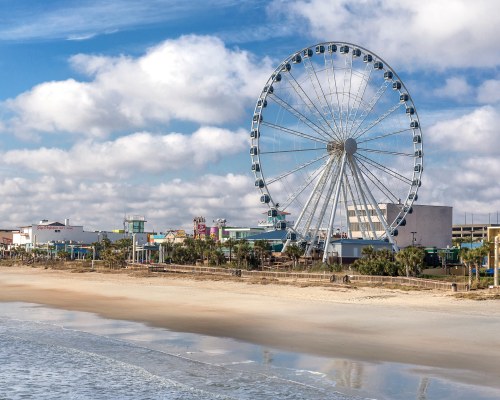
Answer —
(258, 122)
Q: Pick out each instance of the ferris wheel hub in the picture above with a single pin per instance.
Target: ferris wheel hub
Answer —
(350, 146)
(336, 147)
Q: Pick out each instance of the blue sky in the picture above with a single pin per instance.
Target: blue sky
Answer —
(144, 107)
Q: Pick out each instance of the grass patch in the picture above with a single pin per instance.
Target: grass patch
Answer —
(478, 295)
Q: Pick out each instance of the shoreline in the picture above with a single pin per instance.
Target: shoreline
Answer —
(423, 328)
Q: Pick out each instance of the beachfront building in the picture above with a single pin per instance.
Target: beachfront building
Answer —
(241, 233)
(56, 232)
(172, 237)
(426, 226)
(6, 237)
(346, 251)
(472, 232)
(276, 238)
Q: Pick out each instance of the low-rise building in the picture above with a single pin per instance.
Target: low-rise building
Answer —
(472, 232)
(426, 226)
(57, 232)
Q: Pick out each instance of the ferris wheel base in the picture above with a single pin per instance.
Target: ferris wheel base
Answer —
(342, 250)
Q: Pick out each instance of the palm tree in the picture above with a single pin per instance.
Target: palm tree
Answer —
(190, 253)
(467, 258)
(294, 252)
(478, 254)
(243, 251)
(262, 248)
(230, 243)
(200, 247)
(411, 257)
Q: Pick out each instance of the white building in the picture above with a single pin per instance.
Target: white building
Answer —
(56, 232)
(426, 226)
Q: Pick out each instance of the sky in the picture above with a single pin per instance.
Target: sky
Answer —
(143, 107)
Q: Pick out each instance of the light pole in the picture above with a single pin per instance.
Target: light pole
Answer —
(413, 238)
(495, 266)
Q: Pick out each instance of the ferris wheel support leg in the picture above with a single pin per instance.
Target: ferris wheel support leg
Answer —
(287, 243)
(348, 225)
(321, 216)
(356, 210)
(301, 215)
(379, 213)
(357, 173)
(334, 209)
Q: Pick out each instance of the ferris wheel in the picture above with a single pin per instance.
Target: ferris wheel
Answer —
(335, 139)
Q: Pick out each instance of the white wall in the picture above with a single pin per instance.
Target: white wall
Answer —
(432, 224)
(52, 233)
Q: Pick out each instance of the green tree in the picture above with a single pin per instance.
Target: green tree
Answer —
(230, 244)
(412, 259)
(294, 252)
(262, 248)
(376, 262)
(243, 252)
(216, 256)
(64, 255)
(467, 258)
(478, 255)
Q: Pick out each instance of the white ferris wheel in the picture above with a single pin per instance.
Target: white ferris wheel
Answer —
(335, 134)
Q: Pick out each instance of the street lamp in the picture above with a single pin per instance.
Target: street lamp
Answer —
(413, 238)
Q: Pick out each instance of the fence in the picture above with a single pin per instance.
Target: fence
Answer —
(311, 276)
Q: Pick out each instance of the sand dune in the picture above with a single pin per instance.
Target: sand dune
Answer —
(428, 328)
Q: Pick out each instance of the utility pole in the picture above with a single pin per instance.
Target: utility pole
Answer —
(495, 266)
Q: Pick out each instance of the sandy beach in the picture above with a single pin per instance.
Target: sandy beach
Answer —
(425, 328)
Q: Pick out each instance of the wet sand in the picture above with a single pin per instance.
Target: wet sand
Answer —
(425, 328)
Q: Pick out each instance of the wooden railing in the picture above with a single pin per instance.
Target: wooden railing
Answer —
(311, 276)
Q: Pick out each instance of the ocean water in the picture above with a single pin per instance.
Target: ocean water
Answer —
(56, 354)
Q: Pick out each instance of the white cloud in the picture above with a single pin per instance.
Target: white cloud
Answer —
(193, 78)
(447, 33)
(132, 154)
(98, 205)
(476, 132)
(462, 166)
(76, 19)
(489, 92)
(456, 88)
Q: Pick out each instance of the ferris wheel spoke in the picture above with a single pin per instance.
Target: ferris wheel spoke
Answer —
(347, 74)
(384, 136)
(330, 67)
(356, 210)
(324, 173)
(394, 153)
(377, 208)
(300, 116)
(369, 107)
(378, 183)
(328, 180)
(291, 150)
(357, 134)
(298, 226)
(383, 168)
(329, 111)
(291, 198)
(346, 210)
(364, 202)
(300, 167)
(334, 206)
(321, 215)
(360, 94)
(313, 109)
(294, 132)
